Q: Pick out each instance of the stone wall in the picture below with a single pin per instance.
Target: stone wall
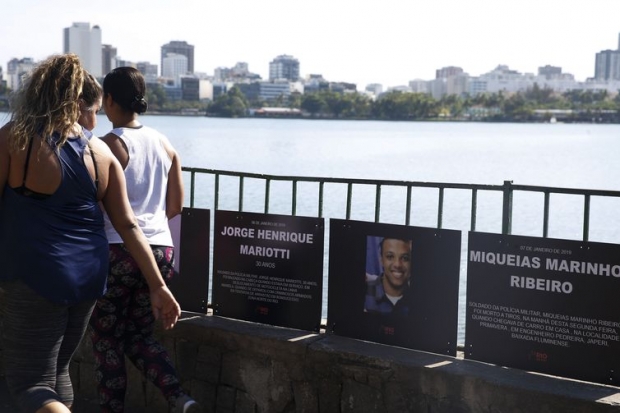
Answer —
(236, 366)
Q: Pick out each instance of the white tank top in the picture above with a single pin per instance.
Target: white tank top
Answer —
(147, 181)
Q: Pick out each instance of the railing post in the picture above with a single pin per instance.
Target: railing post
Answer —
(216, 190)
(294, 200)
(378, 203)
(507, 208)
(321, 185)
(474, 208)
(408, 207)
(267, 192)
(349, 196)
(586, 218)
(193, 188)
(440, 209)
(241, 194)
(546, 215)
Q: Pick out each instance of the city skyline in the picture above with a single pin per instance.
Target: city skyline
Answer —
(390, 44)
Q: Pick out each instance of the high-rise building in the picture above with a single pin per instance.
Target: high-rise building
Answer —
(550, 72)
(148, 70)
(607, 65)
(241, 69)
(174, 66)
(108, 59)
(449, 71)
(284, 67)
(85, 42)
(178, 47)
(15, 71)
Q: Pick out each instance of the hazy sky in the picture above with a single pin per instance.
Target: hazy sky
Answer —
(360, 41)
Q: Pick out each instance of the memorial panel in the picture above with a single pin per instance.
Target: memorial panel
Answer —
(268, 268)
(190, 234)
(394, 284)
(544, 305)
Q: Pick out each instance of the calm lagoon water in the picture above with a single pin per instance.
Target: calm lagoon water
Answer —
(557, 155)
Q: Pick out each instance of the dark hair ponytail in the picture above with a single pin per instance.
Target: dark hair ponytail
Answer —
(127, 87)
(138, 104)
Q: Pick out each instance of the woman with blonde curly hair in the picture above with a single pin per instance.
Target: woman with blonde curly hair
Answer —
(54, 252)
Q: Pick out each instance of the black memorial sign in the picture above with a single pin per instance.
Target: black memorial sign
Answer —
(190, 234)
(394, 284)
(544, 305)
(268, 268)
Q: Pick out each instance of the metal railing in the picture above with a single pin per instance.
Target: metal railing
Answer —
(507, 190)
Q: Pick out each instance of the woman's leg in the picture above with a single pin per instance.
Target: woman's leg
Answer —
(78, 316)
(107, 332)
(54, 407)
(142, 348)
(33, 333)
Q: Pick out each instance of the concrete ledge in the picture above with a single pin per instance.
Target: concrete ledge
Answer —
(235, 366)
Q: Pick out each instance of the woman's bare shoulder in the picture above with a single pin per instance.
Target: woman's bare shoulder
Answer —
(5, 131)
(100, 148)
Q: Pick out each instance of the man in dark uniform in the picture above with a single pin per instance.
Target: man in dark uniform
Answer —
(388, 292)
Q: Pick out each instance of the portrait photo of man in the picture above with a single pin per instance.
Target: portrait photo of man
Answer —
(388, 274)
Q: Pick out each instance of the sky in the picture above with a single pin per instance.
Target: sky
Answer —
(361, 41)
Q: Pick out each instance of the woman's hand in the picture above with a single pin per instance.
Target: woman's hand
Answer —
(165, 307)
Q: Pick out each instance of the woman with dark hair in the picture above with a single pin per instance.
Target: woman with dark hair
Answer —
(122, 323)
(54, 253)
(90, 103)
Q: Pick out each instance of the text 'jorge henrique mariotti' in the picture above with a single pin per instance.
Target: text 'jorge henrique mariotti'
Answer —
(270, 235)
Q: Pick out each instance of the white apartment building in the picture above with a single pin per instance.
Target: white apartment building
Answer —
(174, 66)
(16, 70)
(418, 86)
(284, 67)
(85, 42)
(272, 90)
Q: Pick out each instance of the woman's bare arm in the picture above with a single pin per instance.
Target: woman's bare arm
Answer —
(175, 190)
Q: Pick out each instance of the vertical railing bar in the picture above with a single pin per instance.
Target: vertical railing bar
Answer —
(349, 196)
(474, 208)
(408, 207)
(241, 178)
(193, 188)
(294, 203)
(586, 217)
(321, 185)
(267, 192)
(507, 208)
(216, 196)
(546, 215)
(440, 208)
(378, 203)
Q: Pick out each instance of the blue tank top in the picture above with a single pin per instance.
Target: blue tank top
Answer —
(57, 244)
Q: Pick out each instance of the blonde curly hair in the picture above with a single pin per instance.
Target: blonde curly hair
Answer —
(48, 101)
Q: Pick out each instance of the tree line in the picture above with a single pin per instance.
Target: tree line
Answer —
(534, 104)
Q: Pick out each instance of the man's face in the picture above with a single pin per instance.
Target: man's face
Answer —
(396, 262)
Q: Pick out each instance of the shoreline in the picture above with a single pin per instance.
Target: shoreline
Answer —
(311, 118)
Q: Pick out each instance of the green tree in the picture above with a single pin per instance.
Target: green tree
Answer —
(231, 105)
(156, 96)
(312, 103)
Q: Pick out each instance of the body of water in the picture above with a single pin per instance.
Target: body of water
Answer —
(557, 155)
